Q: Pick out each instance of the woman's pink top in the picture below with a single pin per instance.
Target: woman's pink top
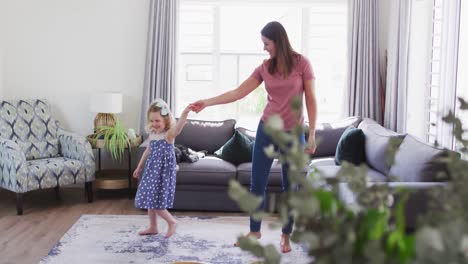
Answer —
(281, 91)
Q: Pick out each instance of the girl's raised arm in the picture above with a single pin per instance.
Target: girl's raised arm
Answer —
(175, 130)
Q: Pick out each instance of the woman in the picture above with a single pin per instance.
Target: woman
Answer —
(286, 74)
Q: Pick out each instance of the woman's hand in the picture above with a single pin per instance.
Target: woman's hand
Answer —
(311, 146)
(137, 172)
(198, 106)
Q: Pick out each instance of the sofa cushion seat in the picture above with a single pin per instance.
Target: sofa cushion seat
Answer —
(330, 171)
(209, 170)
(327, 161)
(244, 172)
(48, 173)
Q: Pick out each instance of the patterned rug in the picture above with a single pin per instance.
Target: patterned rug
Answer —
(114, 239)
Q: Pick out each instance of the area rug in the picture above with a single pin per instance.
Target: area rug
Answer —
(115, 239)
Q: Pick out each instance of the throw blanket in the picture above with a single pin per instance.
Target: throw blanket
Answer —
(185, 154)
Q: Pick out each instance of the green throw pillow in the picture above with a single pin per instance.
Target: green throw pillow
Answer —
(351, 147)
(237, 150)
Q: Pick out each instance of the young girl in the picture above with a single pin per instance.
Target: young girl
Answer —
(157, 186)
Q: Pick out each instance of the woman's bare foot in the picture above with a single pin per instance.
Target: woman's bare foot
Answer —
(284, 244)
(171, 229)
(148, 231)
(256, 235)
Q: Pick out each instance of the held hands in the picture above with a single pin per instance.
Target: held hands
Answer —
(311, 145)
(198, 106)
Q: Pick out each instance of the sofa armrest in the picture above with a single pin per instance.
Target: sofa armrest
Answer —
(13, 167)
(77, 147)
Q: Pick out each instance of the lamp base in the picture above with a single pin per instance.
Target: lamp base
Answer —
(104, 119)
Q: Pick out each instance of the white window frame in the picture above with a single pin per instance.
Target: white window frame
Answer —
(216, 41)
(443, 94)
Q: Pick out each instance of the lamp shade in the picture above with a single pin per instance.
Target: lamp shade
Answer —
(106, 103)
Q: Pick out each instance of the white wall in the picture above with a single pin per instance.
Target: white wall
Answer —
(1, 67)
(67, 50)
(1, 70)
(2, 24)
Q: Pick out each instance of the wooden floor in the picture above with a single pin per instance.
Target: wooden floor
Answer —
(29, 237)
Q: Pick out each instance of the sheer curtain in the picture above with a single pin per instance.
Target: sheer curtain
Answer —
(161, 54)
(364, 91)
(397, 69)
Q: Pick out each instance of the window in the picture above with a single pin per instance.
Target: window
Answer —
(220, 46)
(462, 83)
(434, 43)
(433, 119)
(442, 83)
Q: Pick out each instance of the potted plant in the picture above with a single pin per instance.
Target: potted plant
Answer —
(114, 138)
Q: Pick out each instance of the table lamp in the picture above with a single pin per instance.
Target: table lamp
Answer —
(105, 105)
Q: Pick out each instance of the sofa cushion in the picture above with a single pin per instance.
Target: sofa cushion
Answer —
(206, 135)
(351, 147)
(416, 161)
(209, 170)
(51, 172)
(330, 171)
(328, 135)
(325, 161)
(237, 150)
(376, 143)
(244, 172)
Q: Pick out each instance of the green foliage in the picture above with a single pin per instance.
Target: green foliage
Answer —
(443, 233)
(398, 242)
(246, 201)
(268, 252)
(115, 139)
(369, 230)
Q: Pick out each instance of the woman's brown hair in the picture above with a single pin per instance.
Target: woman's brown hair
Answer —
(285, 54)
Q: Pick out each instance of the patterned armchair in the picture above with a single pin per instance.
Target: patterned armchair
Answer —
(35, 153)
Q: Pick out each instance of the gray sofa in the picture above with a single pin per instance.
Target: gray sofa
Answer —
(203, 185)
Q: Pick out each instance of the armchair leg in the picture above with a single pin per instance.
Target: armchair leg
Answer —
(89, 191)
(19, 204)
(57, 193)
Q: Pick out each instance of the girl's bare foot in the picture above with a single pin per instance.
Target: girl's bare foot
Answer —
(284, 244)
(171, 229)
(256, 235)
(148, 231)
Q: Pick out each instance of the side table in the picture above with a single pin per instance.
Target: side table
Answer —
(112, 179)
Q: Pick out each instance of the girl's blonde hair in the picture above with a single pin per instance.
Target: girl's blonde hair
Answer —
(155, 107)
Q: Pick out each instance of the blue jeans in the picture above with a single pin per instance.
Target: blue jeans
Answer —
(261, 165)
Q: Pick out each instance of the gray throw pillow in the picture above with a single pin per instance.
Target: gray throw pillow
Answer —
(377, 142)
(416, 161)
